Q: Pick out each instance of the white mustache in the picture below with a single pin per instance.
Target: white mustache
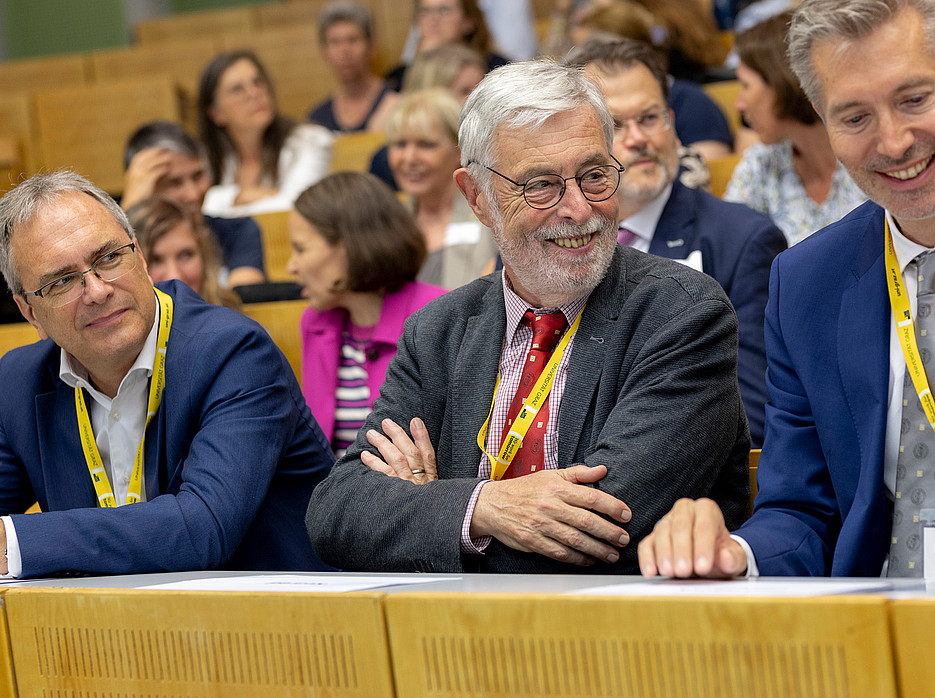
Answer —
(565, 229)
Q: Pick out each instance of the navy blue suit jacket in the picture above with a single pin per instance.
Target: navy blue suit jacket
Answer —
(737, 247)
(231, 458)
(822, 507)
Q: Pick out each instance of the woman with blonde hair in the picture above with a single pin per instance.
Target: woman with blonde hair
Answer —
(422, 133)
(177, 245)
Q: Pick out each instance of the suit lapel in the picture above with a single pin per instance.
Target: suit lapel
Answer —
(473, 379)
(62, 459)
(674, 237)
(863, 343)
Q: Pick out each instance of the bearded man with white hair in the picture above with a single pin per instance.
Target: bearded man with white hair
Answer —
(542, 418)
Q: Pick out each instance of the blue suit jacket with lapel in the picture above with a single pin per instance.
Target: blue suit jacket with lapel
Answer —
(821, 507)
(651, 393)
(737, 246)
(230, 458)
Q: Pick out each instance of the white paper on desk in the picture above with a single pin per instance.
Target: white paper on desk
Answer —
(292, 582)
(736, 587)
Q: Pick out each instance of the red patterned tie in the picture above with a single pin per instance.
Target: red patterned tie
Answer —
(546, 332)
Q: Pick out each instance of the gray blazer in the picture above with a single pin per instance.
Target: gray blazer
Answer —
(651, 393)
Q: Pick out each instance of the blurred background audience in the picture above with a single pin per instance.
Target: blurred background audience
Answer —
(259, 159)
(362, 99)
(423, 155)
(176, 245)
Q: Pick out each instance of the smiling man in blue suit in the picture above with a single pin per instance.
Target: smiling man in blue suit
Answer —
(231, 452)
(845, 446)
(660, 215)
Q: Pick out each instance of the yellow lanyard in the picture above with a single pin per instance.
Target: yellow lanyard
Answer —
(105, 493)
(899, 302)
(537, 396)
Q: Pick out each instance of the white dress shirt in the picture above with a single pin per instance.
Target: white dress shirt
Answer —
(118, 425)
(906, 250)
(643, 223)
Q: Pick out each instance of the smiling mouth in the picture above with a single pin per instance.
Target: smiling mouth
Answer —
(574, 243)
(911, 172)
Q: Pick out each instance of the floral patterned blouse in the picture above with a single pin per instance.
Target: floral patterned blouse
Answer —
(766, 181)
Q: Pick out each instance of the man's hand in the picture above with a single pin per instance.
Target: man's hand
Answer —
(553, 513)
(144, 172)
(409, 459)
(692, 541)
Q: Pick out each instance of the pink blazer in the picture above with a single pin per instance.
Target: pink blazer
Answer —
(321, 348)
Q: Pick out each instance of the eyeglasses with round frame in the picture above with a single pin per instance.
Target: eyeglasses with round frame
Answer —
(650, 123)
(68, 288)
(545, 191)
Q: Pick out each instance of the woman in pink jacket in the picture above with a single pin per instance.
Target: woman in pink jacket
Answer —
(355, 252)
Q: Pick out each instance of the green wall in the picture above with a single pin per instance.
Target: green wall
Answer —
(46, 27)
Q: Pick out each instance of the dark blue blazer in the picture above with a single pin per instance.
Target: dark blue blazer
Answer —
(231, 458)
(737, 247)
(822, 507)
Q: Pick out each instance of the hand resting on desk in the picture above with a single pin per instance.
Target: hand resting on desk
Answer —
(691, 541)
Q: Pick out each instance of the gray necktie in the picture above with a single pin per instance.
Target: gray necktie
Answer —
(915, 472)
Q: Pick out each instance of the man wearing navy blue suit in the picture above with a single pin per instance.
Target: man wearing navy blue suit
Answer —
(660, 215)
(231, 452)
(830, 473)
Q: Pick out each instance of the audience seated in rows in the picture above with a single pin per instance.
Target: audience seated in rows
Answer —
(793, 175)
(446, 22)
(162, 158)
(355, 253)
(423, 154)
(176, 245)
(455, 67)
(362, 99)
(259, 160)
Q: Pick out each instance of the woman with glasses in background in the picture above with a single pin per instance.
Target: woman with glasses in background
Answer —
(260, 160)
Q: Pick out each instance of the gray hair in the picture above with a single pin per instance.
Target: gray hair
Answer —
(23, 203)
(162, 134)
(843, 21)
(344, 11)
(522, 95)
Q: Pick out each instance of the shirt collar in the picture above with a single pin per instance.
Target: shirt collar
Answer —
(643, 223)
(906, 250)
(75, 375)
(516, 307)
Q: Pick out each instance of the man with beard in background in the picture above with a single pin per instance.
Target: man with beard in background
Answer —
(659, 215)
(542, 418)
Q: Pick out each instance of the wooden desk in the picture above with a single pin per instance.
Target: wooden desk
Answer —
(533, 645)
(464, 635)
(128, 642)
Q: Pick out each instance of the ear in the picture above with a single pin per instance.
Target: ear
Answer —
(30, 316)
(215, 117)
(472, 193)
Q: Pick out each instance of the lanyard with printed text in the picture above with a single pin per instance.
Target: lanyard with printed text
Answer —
(105, 493)
(902, 314)
(531, 404)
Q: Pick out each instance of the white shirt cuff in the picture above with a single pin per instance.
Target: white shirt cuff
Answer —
(752, 570)
(14, 560)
